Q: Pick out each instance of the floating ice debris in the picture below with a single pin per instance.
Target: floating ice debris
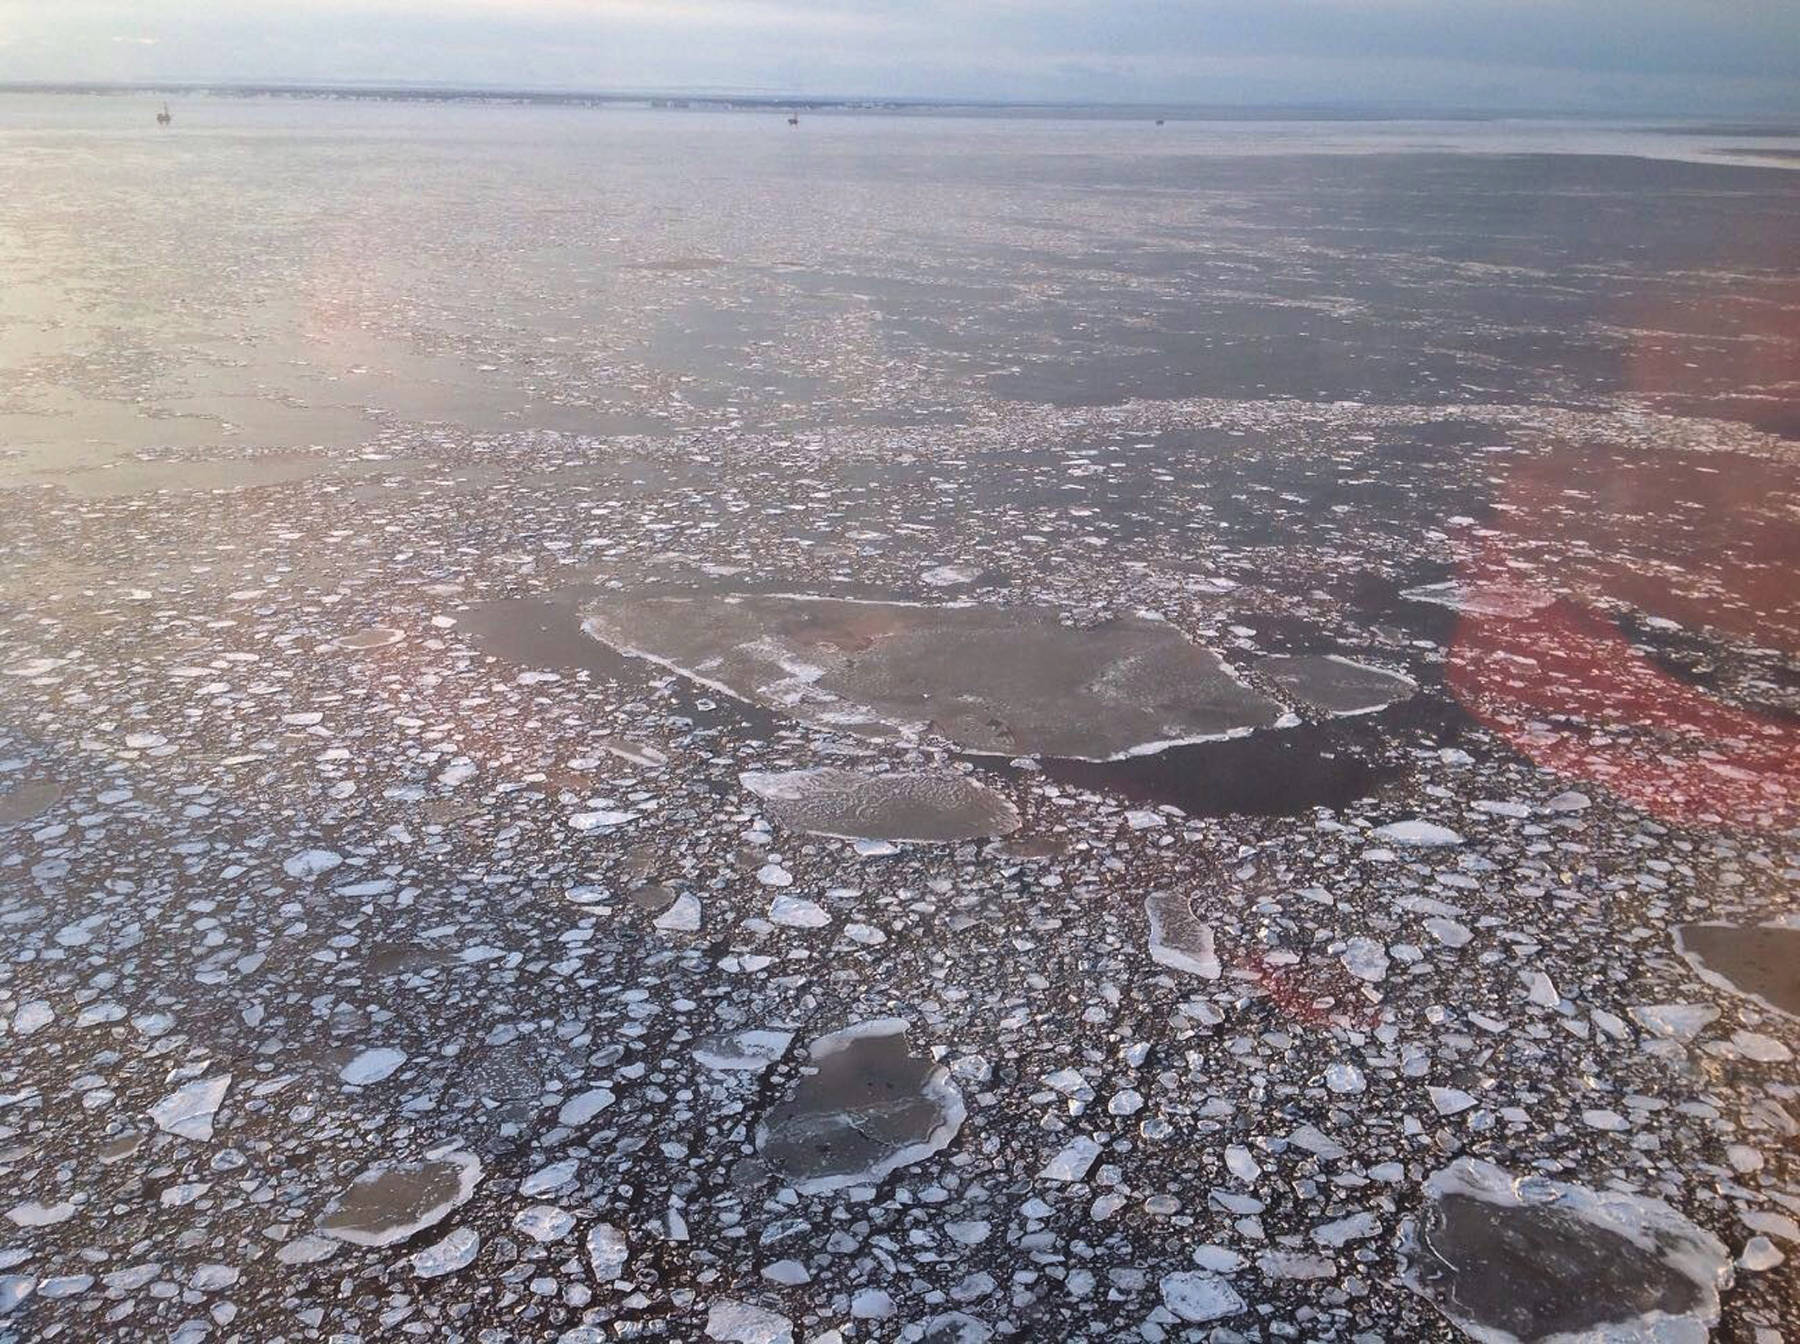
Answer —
(211, 1278)
(1448, 931)
(1535, 1259)
(956, 1327)
(1764, 1049)
(948, 576)
(188, 1111)
(456, 1251)
(601, 820)
(34, 1015)
(774, 875)
(750, 1051)
(607, 1251)
(1335, 685)
(33, 1214)
(310, 863)
(1295, 1265)
(1760, 1254)
(376, 637)
(1071, 1162)
(307, 1250)
(386, 1204)
(584, 1106)
(372, 1066)
(553, 1177)
(1422, 834)
(744, 1323)
(1513, 601)
(1012, 682)
(1345, 1079)
(1342, 1231)
(544, 1222)
(1761, 962)
(1450, 1100)
(1366, 959)
(788, 1273)
(923, 806)
(682, 916)
(1772, 1224)
(1178, 939)
(872, 1304)
(1196, 1295)
(796, 912)
(868, 1108)
(1674, 1021)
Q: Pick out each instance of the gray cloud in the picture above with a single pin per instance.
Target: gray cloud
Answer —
(1645, 54)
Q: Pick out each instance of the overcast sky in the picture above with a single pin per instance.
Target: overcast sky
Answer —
(1624, 55)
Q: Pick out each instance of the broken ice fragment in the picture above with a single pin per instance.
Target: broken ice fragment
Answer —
(796, 912)
(749, 1051)
(869, 1107)
(1535, 1259)
(1071, 1161)
(552, 1177)
(372, 1066)
(1366, 959)
(1356, 1227)
(386, 1204)
(1421, 834)
(34, 1214)
(1345, 1078)
(1674, 1021)
(544, 1223)
(1450, 1100)
(682, 916)
(309, 863)
(601, 820)
(1196, 1295)
(1335, 685)
(375, 637)
(578, 1110)
(188, 1111)
(743, 1323)
(1178, 939)
(920, 806)
(607, 1251)
(454, 1252)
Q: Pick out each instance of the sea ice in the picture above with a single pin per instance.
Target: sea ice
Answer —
(869, 1107)
(1197, 1295)
(1178, 938)
(188, 1111)
(1532, 1258)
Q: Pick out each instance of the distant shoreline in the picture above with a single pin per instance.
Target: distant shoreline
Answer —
(734, 100)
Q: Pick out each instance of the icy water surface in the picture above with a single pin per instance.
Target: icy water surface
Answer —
(652, 725)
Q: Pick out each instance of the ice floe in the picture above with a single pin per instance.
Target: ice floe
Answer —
(868, 1107)
(1511, 1260)
(924, 806)
(391, 1202)
(1009, 682)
